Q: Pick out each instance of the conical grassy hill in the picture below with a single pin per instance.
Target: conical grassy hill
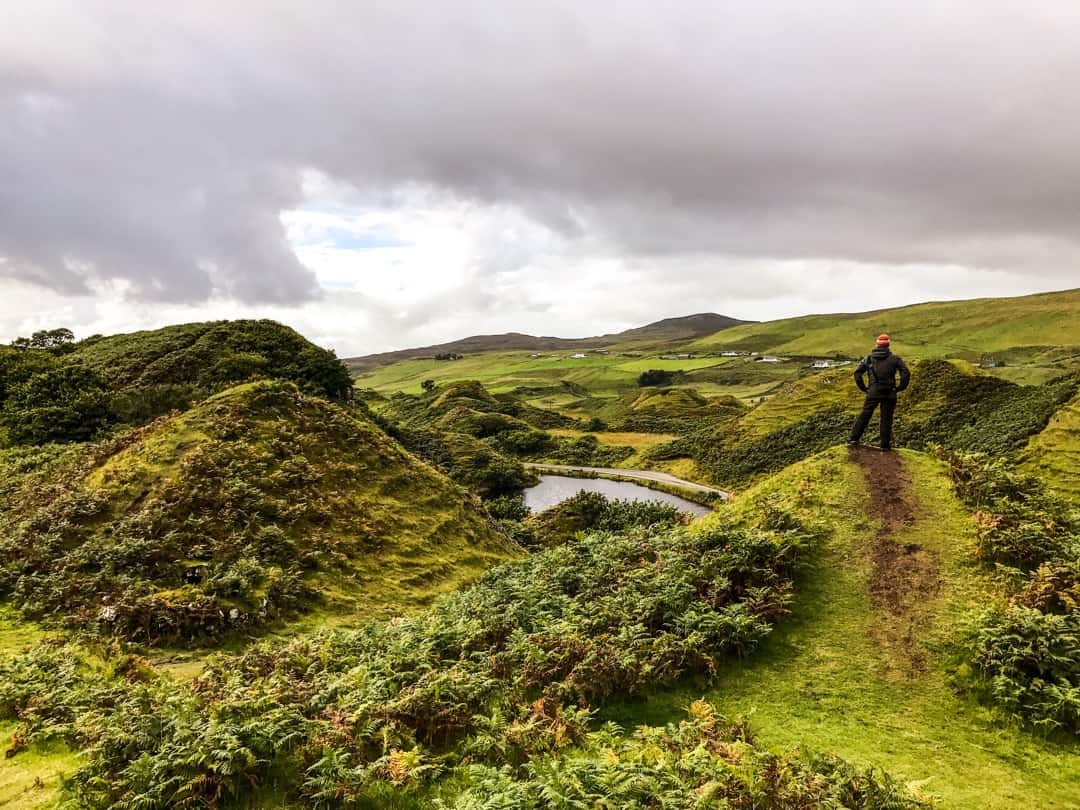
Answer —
(259, 504)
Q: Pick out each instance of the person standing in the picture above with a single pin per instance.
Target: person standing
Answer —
(882, 368)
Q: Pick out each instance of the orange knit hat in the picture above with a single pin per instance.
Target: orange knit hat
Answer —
(882, 340)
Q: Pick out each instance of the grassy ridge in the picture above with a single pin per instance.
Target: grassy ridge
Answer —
(827, 681)
(948, 403)
(940, 329)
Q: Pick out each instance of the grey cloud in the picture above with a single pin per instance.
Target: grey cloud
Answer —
(160, 149)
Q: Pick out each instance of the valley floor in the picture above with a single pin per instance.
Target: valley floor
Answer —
(859, 668)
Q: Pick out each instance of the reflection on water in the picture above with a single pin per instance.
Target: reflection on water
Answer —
(555, 488)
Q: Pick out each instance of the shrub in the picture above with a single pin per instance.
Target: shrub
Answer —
(591, 511)
(1025, 657)
(504, 671)
(655, 377)
(703, 761)
(66, 402)
(1029, 664)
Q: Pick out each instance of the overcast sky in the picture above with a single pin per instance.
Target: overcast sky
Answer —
(389, 174)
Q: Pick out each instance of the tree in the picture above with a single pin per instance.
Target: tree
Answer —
(58, 341)
(654, 377)
(64, 403)
(428, 385)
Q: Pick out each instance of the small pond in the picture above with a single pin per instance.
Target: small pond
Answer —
(553, 489)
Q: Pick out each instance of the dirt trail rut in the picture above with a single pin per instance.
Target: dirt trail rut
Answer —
(904, 575)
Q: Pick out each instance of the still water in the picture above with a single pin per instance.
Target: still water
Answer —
(555, 488)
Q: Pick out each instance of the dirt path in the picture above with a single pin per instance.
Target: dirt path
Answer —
(904, 576)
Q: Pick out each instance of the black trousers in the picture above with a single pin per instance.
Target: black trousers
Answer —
(888, 407)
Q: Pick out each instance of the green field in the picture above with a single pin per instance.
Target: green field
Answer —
(597, 375)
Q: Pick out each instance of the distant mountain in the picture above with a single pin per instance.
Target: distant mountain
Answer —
(688, 327)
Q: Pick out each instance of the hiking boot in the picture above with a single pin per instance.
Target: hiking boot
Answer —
(852, 443)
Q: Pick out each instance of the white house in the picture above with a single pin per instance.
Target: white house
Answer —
(578, 356)
(822, 364)
(729, 354)
(768, 359)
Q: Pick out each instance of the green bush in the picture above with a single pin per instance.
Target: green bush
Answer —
(591, 511)
(1029, 664)
(703, 761)
(655, 377)
(1025, 657)
(586, 451)
(63, 403)
(502, 672)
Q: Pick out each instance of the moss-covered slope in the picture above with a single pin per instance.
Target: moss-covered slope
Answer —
(1054, 453)
(256, 504)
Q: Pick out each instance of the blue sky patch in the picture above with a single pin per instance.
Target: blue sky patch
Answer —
(343, 239)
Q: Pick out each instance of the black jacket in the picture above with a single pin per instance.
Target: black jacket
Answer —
(882, 366)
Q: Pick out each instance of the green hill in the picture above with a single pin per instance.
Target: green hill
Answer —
(71, 392)
(258, 504)
(669, 330)
(963, 329)
(1054, 454)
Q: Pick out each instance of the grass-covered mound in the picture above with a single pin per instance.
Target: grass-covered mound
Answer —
(504, 672)
(208, 355)
(253, 505)
(479, 438)
(668, 410)
(948, 404)
(1054, 454)
(70, 391)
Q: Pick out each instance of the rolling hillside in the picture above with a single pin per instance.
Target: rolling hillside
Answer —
(669, 330)
(948, 403)
(1026, 326)
(245, 593)
(1054, 454)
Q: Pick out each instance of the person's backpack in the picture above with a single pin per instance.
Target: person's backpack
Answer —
(872, 371)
